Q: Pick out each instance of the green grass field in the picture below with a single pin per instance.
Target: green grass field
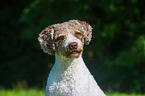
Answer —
(30, 92)
(36, 92)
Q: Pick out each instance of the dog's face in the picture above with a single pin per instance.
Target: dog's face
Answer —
(66, 39)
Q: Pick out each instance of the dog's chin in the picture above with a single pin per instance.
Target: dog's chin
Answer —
(70, 54)
(74, 55)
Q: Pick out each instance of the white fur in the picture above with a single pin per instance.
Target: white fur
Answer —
(70, 76)
(70, 38)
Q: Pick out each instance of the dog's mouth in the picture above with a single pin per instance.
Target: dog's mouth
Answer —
(74, 53)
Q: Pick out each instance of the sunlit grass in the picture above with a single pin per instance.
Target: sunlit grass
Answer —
(36, 92)
(30, 92)
(124, 94)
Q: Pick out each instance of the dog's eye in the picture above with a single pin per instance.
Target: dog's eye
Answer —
(78, 35)
(59, 38)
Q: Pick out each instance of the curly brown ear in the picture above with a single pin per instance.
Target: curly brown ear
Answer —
(46, 40)
(87, 32)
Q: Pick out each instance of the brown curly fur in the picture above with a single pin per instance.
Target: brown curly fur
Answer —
(48, 38)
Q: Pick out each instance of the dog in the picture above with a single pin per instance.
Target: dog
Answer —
(69, 75)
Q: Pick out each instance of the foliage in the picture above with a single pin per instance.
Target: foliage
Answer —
(115, 55)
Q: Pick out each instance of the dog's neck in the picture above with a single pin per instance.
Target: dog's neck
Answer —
(66, 63)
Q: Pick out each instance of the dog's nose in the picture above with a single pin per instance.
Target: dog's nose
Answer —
(73, 46)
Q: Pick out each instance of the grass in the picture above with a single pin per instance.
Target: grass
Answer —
(124, 94)
(36, 92)
(30, 92)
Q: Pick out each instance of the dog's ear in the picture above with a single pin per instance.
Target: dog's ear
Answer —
(46, 40)
(87, 32)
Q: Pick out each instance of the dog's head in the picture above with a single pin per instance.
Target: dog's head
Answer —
(66, 39)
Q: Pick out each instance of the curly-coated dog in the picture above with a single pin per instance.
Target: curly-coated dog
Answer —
(69, 75)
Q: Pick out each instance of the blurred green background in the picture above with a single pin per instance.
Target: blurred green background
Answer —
(115, 56)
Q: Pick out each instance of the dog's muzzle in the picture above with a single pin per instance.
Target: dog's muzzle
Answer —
(73, 50)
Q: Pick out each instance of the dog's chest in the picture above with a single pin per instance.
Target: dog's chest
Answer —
(68, 86)
(74, 80)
